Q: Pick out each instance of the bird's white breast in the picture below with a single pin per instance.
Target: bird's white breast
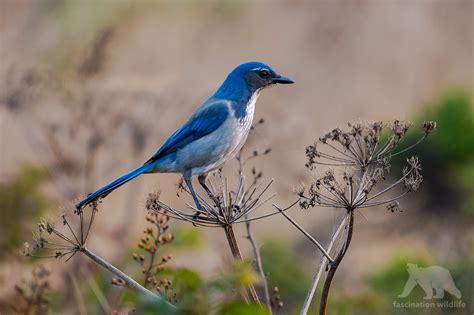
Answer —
(211, 151)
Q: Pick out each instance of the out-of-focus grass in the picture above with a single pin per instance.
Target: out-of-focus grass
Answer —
(390, 280)
(21, 202)
(285, 270)
(187, 238)
(193, 294)
(384, 285)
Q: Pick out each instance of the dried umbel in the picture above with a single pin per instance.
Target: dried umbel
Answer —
(362, 144)
(67, 240)
(34, 293)
(363, 152)
(350, 164)
(64, 240)
(224, 206)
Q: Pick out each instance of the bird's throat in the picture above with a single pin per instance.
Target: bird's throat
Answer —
(245, 107)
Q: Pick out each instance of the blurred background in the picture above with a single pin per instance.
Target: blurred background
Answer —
(90, 89)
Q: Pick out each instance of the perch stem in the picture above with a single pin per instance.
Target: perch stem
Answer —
(320, 268)
(128, 280)
(333, 267)
(234, 248)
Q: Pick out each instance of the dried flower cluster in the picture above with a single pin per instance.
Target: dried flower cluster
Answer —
(225, 206)
(59, 244)
(62, 242)
(154, 238)
(275, 300)
(351, 164)
(365, 151)
(34, 293)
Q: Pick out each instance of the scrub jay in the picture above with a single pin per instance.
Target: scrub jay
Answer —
(213, 134)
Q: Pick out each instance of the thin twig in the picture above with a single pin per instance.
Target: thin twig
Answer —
(97, 291)
(258, 260)
(320, 268)
(302, 230)
(132, 283)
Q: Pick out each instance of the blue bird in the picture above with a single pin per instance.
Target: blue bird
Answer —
(213, 134)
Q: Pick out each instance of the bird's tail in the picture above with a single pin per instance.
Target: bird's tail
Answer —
(104, 191)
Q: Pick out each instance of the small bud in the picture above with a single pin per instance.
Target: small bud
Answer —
(168, 237)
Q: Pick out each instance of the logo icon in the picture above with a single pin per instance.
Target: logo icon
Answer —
(431, 279)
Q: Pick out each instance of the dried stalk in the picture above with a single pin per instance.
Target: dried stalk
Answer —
(128, 280)
(333, 267)
(234, 248)
(322, 265)
(302, 230)
(258, 260)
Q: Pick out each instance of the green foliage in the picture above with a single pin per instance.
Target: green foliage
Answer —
(240, 308)
(447, 155)
(194, 295)
(390, 280)
(361, 303)
(462, 271)
(385, 284)
(147, 306)
(284, 270)
(21, 201)
(454, 139)
(187, 238)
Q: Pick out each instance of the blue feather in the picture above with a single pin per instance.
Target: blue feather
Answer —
(102, 192)
(211, 115)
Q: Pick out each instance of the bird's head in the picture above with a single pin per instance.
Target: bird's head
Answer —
(252, 76)
(259, 75)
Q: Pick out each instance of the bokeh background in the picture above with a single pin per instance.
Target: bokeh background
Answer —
(89, 89)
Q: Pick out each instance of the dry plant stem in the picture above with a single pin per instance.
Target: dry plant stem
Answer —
(320, 268)
(258, 259)
(132, 283)
(302, 230)
(333, 267)
(234, 247)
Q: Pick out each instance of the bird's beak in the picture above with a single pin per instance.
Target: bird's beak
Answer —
(282, 80)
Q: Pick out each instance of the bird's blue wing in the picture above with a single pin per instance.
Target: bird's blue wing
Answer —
(203, 122)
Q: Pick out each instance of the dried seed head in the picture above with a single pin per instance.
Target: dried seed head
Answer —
(429, 126)
(26, 249)
(399, 128)
(394, 207)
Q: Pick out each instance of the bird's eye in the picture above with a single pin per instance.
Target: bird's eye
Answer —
(264, 74)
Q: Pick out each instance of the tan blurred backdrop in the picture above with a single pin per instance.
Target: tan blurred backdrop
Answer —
(132, 71)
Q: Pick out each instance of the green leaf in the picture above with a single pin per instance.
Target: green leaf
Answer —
(187, 238)
(240, 308)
